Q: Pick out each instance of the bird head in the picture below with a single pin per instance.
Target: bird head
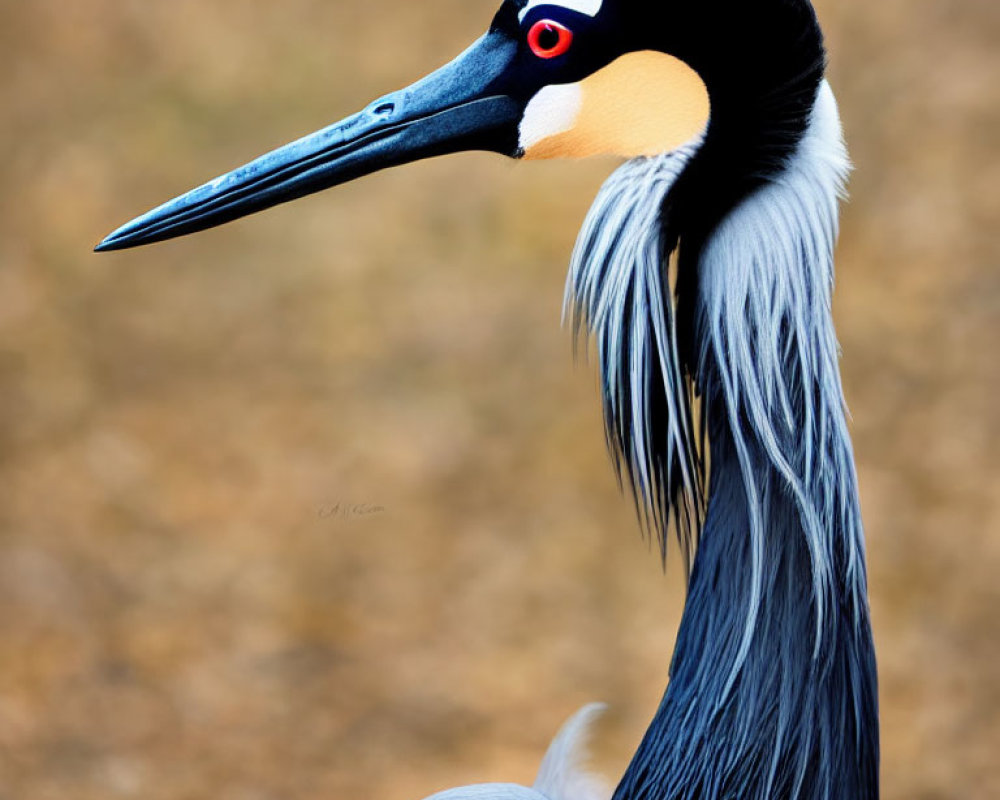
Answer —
(559, 78)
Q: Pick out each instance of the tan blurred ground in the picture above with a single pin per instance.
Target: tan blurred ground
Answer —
(181, 616)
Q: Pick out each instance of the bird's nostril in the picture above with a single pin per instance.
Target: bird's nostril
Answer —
(384, 109)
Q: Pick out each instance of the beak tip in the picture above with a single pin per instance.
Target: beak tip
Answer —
(121, 239)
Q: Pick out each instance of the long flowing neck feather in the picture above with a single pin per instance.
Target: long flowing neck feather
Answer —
(773, 688)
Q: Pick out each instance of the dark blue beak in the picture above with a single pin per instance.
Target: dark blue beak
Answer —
(462, 106)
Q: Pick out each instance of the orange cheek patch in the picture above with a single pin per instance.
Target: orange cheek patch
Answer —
(642, 104)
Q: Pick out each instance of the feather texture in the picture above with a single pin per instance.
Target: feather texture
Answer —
(773, 689)
(563, 774)
(618, 291)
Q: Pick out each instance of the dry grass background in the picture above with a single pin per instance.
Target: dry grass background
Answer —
(179, 618)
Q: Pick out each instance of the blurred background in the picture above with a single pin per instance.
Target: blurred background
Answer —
(317, 505)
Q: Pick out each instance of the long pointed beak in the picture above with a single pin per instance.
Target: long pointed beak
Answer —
(462, 106)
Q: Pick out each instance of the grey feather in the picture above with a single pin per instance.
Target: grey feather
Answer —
(618, 291)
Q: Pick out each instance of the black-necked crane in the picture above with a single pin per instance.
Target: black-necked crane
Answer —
(704, 274)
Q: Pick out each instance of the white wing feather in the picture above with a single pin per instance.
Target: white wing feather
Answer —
(562, 775)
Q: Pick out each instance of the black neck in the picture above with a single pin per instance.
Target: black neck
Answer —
(795, 723)
(779, 709)
(762, 64)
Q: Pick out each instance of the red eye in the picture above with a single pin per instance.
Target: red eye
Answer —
(548, 39)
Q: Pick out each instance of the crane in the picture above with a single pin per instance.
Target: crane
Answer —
(703, 274)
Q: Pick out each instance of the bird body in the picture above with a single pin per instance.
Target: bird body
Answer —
(703, 274)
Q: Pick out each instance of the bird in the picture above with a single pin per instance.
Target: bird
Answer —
(702, 281)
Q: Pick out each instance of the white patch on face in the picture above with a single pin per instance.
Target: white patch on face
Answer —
(552, 111)
(589, 7)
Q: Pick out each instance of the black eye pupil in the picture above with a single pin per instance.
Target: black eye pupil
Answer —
(548, 38)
